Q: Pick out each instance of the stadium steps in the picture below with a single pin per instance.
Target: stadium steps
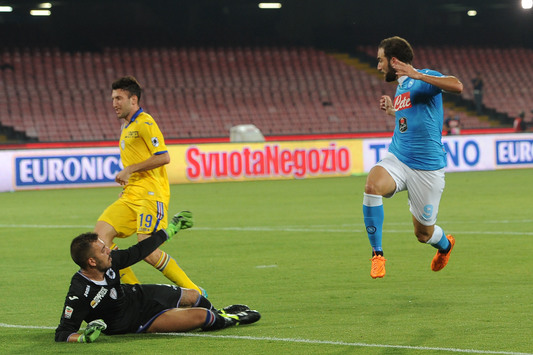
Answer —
(10, 135)
(363, 62)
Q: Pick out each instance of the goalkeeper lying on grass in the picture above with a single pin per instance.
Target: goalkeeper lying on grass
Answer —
(97, 297)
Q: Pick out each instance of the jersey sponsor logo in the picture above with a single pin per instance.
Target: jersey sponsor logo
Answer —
(87, 289)
(403, 101)
(132, 134)
(402, 124)
(99, 296)
(68, 312)
(155, 142)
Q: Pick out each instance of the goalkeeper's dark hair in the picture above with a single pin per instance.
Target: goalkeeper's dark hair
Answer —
(129, 84)
(81, 248)
(397, 47)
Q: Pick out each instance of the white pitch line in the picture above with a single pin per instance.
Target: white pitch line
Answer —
(265, 266)
(46, 226)
(328, 342)
(288, 229)
(4, 325)
(308, 341)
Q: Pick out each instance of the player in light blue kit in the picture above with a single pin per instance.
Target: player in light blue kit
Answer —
(416, 158)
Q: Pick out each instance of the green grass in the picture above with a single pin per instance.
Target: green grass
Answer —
(297, 252)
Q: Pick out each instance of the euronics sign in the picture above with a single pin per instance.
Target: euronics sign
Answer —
(514, 152)
(58, 168)
(36, 171)
(80, 167)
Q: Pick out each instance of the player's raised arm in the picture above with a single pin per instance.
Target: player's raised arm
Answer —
(137, 252)
(447, 83)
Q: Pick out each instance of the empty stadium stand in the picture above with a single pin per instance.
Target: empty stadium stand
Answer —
(53, 95)
(506, 72)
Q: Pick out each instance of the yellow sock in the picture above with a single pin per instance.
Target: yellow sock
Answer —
(127, 276)
(170, 268)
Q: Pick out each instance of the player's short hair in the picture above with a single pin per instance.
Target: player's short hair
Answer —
(129, 84)
(81, 248)
(399, 48)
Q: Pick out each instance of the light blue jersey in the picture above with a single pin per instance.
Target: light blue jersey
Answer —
(417, 139)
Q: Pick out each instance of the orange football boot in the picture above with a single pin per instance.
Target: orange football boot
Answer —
(440, 259)
(378, 266)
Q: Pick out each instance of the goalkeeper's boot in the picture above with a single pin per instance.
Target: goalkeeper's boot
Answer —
(441, 259)
(234, 309)
(244, 317)
(378, 266)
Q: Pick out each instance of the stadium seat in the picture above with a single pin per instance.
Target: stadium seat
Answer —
(202, 92)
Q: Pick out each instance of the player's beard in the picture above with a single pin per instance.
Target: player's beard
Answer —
(390, 75)
(122, 115)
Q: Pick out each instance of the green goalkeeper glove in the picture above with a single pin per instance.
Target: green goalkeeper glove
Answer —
(181, 220)
(92, 331)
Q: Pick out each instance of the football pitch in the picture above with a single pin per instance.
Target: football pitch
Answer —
(297, 251)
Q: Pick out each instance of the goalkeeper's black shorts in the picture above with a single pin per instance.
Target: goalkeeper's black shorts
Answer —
(146, 302)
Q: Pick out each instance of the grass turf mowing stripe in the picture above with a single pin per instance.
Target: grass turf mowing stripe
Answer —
(308, 341)
(321, 229)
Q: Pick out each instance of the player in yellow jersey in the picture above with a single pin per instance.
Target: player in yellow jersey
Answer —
(143, 204)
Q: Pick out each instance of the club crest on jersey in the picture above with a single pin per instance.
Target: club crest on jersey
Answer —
(408, 84)
(111, 274)
(403, 101)
(402, 123)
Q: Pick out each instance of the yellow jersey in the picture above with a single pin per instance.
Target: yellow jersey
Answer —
(139, 140)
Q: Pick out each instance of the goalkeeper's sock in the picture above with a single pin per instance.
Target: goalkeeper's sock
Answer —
(374, 216)
(214, 321)
(204, 303)
(169, 267)
(127, 275)
(439, 241)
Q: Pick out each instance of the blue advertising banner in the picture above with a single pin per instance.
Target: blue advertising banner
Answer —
(98, 166)
(514, 152)
(67, 169)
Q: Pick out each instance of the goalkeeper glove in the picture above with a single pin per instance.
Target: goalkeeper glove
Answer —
(92, 331)
(181, 220)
